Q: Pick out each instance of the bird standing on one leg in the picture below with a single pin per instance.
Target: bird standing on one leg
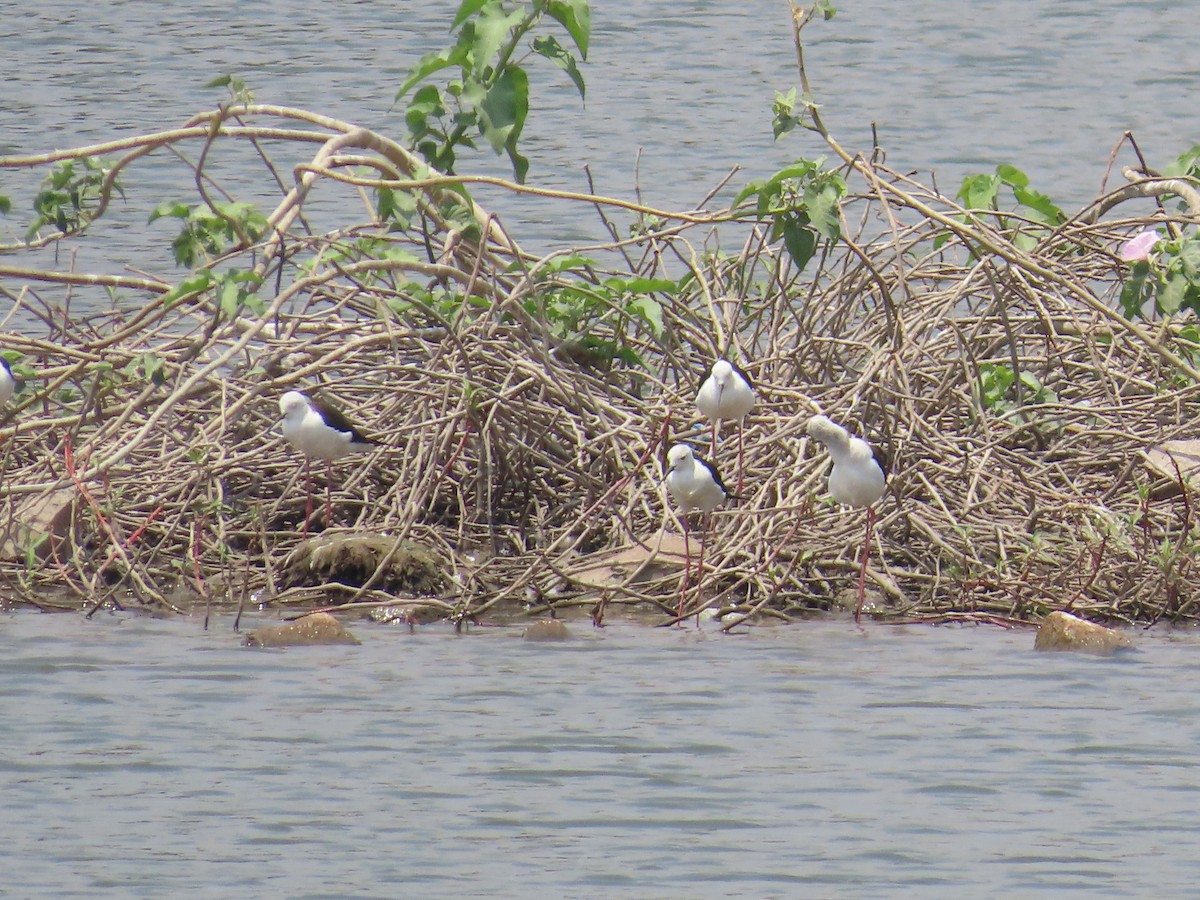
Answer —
(694, 483)
(726, 393)
(856, 479)
(318, 429)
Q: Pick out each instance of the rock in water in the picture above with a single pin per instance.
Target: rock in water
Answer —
(1063, 631)
(318, 628)
(547, 630)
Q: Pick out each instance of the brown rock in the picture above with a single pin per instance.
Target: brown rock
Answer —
(353, 558)
(1173, 464)
(662, 553)
(318, 628)
(1063, 631)
(547, 630)
(41, 523)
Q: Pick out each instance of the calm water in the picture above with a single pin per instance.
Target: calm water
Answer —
(1046, 84)
(147, 758)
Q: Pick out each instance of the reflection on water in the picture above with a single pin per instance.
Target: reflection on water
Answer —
(150, 757)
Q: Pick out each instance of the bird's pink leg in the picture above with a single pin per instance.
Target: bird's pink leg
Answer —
(704, 526)
(308, 495)
(741, 447)
(862, 570)
(329, 496)
(687, 562)
(712, 454)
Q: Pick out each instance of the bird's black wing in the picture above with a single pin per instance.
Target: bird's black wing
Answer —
(334, 419)
(882, 460)
(742, 374)
(716, 476)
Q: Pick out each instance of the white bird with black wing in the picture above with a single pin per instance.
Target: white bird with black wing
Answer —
(856, 479)
(727, 393)
(319, 430)
(695, 484)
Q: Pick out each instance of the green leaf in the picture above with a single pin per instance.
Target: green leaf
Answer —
(549, 47)
(467, 9)
(490, 31)
(504, 108)
(1170, 296)
(1040, 393)
(1045, 208)
(824, 210)
(1133, 292)
(1186, 163)
(1189, 258)
(520, 164)
(648, 285)
(399, 207)
(199, 282)
(400, 255)
(5, 205)
(426, 66)
(1026, 243)
(784, 118)
(562, 263)
(172, 209)
(801, 242)
(426, 103)
(803, 168)
(229, 297)
(979, 191)
(1012, 176)
(826, 8)
(751, 188)
(995, 381)
(576, 17)
(629, 356)
(650, 311)
(232, 293)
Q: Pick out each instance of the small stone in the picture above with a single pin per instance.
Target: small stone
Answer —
(874, 602)
(315, 629)
(1063, 631)
(41, 525)
(547, 630)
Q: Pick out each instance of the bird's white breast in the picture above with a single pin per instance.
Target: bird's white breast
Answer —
(734, 401)
(693, 488)
(856, 478)
(306, 429)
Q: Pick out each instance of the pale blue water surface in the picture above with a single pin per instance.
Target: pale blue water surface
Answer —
(143, 757)
(679, 93)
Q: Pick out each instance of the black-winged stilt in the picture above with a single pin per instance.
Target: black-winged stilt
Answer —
(856, 479)
(317, 429)
(726, 393)
(695, 484)
(7, 383)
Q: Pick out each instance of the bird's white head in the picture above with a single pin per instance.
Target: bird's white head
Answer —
(679, 455)
(722, 370)
(291, 402)
(827, 431)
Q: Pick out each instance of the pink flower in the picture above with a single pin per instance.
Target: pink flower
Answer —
(1139, 246)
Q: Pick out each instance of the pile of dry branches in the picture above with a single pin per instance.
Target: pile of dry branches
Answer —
(144, 462)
